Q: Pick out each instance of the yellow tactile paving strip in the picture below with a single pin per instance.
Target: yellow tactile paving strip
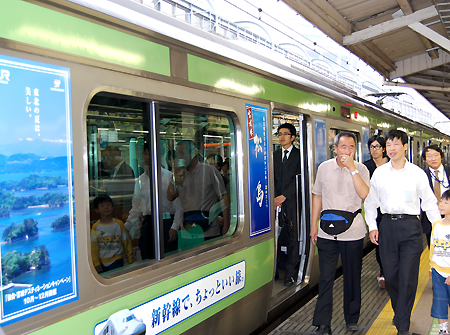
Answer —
(383, 324)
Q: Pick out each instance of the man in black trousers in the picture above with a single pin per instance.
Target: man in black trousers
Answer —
(438, 177)
(401, 190)
(286, 162)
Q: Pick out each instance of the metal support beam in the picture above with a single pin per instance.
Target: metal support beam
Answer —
(418, 63)
(430, 34)
(418, 87)
(392, 25)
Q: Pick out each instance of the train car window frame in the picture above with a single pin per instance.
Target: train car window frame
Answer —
(150, 136)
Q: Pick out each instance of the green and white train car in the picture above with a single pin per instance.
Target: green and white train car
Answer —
(84, 87)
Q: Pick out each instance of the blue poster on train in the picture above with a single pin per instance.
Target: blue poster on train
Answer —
(258, 169)
(320, 141)
(37, 232)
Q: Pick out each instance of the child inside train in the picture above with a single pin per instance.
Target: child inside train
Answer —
(109, 238)
(440, 264)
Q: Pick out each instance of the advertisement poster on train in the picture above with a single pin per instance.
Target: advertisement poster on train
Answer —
(320, 141)
(166, 311)
(258, 169)
(37, 247)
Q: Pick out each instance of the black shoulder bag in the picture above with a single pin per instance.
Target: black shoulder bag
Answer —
(335, 222)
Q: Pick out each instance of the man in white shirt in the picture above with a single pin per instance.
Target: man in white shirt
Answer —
(438, 177)
(140, 212)
(341, 184)
(400, 189)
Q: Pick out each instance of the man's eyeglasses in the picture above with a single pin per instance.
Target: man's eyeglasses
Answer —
(375, 147)
(284, 134)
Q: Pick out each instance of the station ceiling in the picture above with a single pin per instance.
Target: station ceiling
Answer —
(398, 38)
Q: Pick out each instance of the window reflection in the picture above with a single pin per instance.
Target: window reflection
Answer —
(197, 199)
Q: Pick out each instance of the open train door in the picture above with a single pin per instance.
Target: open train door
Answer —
(282, 292)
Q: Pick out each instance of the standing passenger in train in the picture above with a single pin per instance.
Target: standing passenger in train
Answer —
(377, 148)
(400, 189)
(341, 185)
(139, 222)
(201, 190)
(438, 177)
(286, 164)
(120, 185)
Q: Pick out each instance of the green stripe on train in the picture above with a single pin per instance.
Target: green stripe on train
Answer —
(259, 271)
(39, 26)
(209, 73)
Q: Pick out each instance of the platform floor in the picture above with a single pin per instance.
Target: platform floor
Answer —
(376, 311)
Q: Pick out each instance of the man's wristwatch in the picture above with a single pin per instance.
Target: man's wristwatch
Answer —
(354, 172)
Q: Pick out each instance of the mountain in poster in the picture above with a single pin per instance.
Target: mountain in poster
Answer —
(31, 163)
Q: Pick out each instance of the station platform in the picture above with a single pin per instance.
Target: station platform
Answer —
(376, 311)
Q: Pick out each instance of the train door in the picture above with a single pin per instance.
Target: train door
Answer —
(281, 289)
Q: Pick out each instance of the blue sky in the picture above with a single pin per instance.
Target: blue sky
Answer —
(42, 107)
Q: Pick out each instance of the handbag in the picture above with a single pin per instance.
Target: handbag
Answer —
(335, 222)
(287, 231)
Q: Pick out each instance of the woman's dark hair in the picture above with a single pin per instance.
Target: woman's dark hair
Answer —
(380, 140)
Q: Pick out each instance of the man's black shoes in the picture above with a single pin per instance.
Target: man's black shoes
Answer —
(289, 281)
(352, 327)
(323, 330)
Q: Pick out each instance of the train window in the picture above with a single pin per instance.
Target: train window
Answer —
(196, 180)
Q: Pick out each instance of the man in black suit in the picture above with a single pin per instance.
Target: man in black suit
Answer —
(286, 162)
(438, 177)
(120, 185)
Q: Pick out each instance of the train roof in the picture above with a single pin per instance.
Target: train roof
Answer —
(274, 66)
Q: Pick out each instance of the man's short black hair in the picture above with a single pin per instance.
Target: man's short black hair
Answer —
(379, 139)
(101, 199)
(434, 147)
(344, 134)
(446, 195)
(289, 127)
(400, 134)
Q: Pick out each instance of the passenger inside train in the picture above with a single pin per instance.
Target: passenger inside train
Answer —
(120, 150)
(141, 208)
(201, 190)
(110, 241)
(120, 184)
(286, 168)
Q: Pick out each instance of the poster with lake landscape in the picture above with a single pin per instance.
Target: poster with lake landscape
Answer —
(37, 249)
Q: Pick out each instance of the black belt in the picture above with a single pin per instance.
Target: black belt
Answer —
(400, 216)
